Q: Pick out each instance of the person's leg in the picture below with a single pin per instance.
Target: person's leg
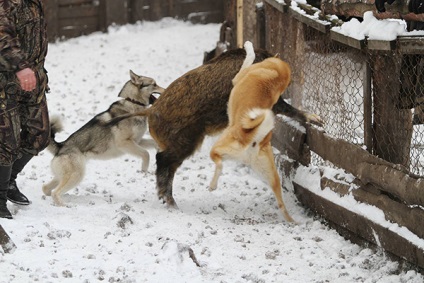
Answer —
(14, 194)
(34, 138)
(5, 172)
(9, 145)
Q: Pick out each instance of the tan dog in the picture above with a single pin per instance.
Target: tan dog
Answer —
(248, 136)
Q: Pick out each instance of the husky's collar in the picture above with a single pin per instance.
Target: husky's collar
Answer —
(135, 102)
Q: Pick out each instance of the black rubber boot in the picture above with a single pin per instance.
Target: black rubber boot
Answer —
(13, 194)
(5, 172)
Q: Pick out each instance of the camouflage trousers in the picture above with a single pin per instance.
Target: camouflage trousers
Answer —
(24, 120)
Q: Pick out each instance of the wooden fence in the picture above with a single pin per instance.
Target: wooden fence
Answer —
(355, 86)
(71, 18)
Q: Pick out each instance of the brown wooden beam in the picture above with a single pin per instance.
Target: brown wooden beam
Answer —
(394, 211)
(360, 226)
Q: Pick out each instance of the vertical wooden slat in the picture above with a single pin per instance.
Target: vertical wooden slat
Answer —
(102, 18)
(230, 12)
(115, 12)
(260, 27)
(392, 126)
(368, 130)
(239, 23)
(51, 8)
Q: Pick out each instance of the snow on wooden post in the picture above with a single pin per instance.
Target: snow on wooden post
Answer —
(5, 242)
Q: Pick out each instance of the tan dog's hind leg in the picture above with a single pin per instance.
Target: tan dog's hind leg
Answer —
(264, 165)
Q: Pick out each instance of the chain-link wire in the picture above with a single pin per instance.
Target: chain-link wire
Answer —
(330, 79)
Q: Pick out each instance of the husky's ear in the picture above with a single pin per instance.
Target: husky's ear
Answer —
(136, 79)
(133, 77)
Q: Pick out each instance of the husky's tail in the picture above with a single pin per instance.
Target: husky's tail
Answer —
(250, 55)
(55, 127)
(260, 119)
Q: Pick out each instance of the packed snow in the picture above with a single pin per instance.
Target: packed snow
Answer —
(114, 228)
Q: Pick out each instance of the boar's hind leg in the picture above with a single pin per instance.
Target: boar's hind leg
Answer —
(166, 164)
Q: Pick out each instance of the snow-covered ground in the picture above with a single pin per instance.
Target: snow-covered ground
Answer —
(114, 228)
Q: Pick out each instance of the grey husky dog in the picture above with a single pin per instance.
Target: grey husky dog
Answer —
(96, 140)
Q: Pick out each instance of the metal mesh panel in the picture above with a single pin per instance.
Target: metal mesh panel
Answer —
(330, 79)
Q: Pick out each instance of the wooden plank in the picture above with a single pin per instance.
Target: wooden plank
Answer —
(51, 14)
(204, 17)
(101, 18)
(74, 2)
(319, 25)
(411, 44)
(159, 9)
(404, 216)
(183, 8)
(381, 45)
(6, 242)
(81, 23)
(393, 179)
(282, 7)
(116, 12)
(347, 40)
(75, 32)
(139, 10)
(290, 141)
(359, 226)
(78, 12)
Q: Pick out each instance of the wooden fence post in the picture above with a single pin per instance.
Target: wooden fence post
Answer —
(392, 126)
(6, 242)
(116, 12)
(260, 27)
(230, 17)
(240, 23)
(51, 11)
(368, 130)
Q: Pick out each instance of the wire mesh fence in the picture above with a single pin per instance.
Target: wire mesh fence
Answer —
(371, 98)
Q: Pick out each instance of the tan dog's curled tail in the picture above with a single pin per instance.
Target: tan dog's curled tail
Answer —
(250, 55)
(257, 117)
(248, 61)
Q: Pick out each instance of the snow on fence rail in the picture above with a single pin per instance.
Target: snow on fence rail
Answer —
(369, 92)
